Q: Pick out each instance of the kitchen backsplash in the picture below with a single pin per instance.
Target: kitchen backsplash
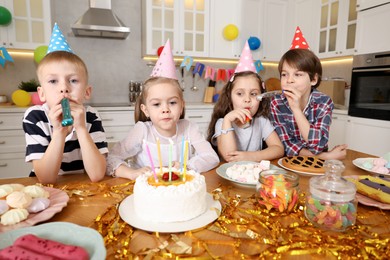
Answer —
(113, 63)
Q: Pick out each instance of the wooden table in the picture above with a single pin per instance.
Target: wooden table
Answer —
(83, 210)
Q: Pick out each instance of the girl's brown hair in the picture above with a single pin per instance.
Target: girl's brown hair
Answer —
(303, 60)
(224, 104)
(138, 113)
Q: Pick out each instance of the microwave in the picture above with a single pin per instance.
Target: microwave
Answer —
(370, 86)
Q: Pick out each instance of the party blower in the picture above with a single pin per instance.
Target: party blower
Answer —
(269, 94)
(67, 119)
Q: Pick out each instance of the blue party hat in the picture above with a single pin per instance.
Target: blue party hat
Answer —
(58, 41)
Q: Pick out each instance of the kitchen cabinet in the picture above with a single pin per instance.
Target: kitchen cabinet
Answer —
(258, 18)
(201, 116)
(224, 12)
(30, 26)
(372, 33)
(337, 28)
(274, 32)
(368, 135)
(365, 4)
(12, 145)
(184, 23)
(337, 133)
(117, 122)
(195, 27)
(306, 15)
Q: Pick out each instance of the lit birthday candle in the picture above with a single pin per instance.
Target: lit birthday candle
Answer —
(151, 161)
(185, 160)
(159, 154)
(170, 159)
(182, 154)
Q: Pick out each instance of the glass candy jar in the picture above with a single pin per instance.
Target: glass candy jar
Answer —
(331, 202)
(278, 190)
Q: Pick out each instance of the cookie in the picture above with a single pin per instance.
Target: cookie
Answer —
(308, 164)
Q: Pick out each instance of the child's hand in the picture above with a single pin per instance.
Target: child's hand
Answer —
(55, 117)
(78, 113)
(238, 115)
(124, 171)
(339, 152)
(137, 172)
(237, 156)
(293, 96)
(176, 165)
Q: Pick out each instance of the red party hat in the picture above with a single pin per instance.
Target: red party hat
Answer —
(299, 42)
(165, 66)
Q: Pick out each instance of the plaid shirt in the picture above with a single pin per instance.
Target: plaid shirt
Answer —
(318, 112)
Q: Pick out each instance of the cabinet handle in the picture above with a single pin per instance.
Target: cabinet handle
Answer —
(334, 117)
(107, 119)
(2, 142)
(110, 137)
(3, 164)
(195, 116)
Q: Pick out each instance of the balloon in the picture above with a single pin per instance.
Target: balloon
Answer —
(254, 43)
(230, 32)
(21, 98)
(35, 99)
(159, 50)
(5, 16)
(40, 52)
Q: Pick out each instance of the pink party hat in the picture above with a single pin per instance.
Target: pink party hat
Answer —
(299, 42)
(246, 61)
(165, 66)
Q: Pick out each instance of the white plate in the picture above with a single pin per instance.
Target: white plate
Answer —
(367, 200)
(62, 232)
(299, 172)
(127, 213)
(58, 200)
(221, 171)
(360, 161)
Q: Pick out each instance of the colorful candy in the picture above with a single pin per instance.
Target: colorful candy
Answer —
(278, 191)
(335, 216)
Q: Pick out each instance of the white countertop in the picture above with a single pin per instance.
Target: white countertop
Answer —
(107, 107)
(340, 111)
(190, 105)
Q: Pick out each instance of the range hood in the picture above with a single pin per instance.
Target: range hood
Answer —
(100, 21)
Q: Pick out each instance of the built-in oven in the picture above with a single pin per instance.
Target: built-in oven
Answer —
(370, 86)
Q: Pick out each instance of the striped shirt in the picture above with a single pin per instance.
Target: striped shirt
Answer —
(38, 131)
(318, 112)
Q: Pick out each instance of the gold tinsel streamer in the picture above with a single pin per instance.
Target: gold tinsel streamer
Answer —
(244, 230)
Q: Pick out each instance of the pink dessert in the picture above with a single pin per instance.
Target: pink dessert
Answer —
(29, 246)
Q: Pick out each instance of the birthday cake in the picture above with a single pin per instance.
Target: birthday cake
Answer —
(172, 200)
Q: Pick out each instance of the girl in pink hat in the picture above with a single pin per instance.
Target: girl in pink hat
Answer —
(234, 137)
(239, 124)
(160, 125)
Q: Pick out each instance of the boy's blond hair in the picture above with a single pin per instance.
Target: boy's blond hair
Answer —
(58, 56)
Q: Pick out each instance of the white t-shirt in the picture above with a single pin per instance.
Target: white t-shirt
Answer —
(248, 139)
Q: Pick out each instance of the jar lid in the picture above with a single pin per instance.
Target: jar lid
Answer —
(332, 186)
